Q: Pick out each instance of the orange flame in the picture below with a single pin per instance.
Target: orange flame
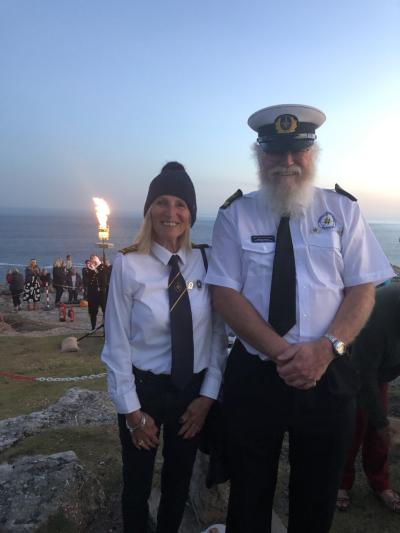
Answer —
(102, 212)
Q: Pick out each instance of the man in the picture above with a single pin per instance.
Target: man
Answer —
(294, 268)
(96, 288)
(376, 357)
(85, 278)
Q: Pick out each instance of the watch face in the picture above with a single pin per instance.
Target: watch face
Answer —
(340, 347)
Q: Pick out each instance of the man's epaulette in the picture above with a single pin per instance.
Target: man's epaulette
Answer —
(339, 190)
(129, 249)
(228, 201)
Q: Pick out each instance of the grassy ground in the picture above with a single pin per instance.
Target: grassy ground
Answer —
(41, 356)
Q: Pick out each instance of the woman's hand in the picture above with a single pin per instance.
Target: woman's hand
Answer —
(146, 436)
(193, 418)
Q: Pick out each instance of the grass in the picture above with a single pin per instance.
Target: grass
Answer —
(41, 356)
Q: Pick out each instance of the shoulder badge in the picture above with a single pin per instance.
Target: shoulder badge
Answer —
(228, 201)
(339, 190)
(129, 249)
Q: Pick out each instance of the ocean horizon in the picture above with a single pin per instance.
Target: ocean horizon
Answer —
(48, 234)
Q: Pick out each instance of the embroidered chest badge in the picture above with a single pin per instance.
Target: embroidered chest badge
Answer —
(327, 221)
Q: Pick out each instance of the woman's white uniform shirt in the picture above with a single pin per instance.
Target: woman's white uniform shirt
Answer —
(137, 323)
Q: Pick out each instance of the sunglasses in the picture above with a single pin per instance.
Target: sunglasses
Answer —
(296, 146)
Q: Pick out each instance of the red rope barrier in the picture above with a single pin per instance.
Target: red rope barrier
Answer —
(17, 377)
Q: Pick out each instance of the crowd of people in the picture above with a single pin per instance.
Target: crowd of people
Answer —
(293, 272)
(36, 284)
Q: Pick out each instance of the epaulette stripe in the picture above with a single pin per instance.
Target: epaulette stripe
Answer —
(339, 190)
(228, 201)
(199, 246)
(129, 249)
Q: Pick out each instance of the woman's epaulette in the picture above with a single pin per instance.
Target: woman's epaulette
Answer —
(199, 246)
(339, 190)
(129, 249)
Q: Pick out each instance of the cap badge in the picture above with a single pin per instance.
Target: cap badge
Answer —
(286, 124)
(327, 221)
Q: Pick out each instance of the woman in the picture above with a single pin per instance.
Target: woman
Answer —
(16, 283)
(32, 269)
(32, 285)
(164, 349)
(59, 278)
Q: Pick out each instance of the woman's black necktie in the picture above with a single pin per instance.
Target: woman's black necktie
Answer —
(181, 326)
(282, 302)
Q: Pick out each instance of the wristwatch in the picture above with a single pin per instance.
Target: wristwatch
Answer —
(339, 347)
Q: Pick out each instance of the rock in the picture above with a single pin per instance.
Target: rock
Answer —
(78, 407)
(36, 489)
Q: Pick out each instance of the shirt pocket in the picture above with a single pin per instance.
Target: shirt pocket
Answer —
(326, 256)
(258, 259)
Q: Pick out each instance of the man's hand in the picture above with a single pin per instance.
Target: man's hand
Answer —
(193, 418)
(302, 365)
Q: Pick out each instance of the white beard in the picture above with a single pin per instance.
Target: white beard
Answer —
(288, 200)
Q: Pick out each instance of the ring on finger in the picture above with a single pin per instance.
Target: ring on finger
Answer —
(141, 442)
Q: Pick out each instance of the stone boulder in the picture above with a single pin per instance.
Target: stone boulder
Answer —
(34, 490)
(78, 407)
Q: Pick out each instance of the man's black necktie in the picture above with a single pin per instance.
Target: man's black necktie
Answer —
(282, 303)
(181, 326)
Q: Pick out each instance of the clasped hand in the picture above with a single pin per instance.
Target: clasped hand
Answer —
(302, 365)
(194, 417)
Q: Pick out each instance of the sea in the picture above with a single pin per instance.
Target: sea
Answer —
(45, 237)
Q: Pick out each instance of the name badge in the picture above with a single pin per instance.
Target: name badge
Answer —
(263, 238)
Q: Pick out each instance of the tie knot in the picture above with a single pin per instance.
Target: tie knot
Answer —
(174, 260)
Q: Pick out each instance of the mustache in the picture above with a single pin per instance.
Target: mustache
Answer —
(285, 171)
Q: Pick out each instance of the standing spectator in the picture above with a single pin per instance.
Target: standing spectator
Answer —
(85, 278)
(45, 278)
(68, 263)
(375, 355)
(59, 280)
(97, 287)
(15, 281)
(74, 285)
(31, 270)
(32, 289)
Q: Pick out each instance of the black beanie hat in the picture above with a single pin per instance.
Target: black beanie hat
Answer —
(174, 181)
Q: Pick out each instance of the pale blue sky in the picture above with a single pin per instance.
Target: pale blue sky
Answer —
(96, 96)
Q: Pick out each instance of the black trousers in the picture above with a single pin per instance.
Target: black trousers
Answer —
(96, 300)
(59, 292)
(166, 404)
(259, 408)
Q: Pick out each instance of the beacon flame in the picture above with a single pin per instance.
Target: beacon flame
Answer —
(102, 212)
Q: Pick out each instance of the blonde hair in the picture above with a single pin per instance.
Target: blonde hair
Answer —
(145, 236)
(58, 262)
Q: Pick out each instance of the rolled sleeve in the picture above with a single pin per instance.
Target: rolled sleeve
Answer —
(116, 353)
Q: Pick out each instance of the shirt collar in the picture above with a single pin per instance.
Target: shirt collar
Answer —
(164, 255)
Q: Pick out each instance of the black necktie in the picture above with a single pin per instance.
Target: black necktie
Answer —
(282, 303)
(181, 326)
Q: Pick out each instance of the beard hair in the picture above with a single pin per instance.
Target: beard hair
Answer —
(288, 199)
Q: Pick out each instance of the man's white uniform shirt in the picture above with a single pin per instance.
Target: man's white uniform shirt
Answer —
(137, 323)
(333, 247)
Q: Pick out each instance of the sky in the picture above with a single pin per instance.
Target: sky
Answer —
(96, 96)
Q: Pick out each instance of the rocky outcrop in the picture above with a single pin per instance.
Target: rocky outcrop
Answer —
(37, 489)
(78, 407)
